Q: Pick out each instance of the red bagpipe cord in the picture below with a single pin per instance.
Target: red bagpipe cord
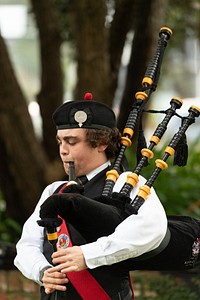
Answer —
(84, 283)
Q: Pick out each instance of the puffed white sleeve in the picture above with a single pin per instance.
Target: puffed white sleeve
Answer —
(30, 259)
(135, 236)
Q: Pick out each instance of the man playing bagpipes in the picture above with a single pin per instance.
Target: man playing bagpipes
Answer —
(87, 136)
(111, 227)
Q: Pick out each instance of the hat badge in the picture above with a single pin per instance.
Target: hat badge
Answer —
(80, 117)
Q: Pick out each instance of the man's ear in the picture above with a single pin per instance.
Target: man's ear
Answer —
(102, 148)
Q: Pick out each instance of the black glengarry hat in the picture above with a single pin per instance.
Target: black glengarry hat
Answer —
(84, 114)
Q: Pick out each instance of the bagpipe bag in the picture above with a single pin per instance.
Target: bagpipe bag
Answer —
(182, 250)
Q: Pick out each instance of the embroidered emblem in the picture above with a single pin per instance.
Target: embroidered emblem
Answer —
(195, 254)
(63, 241)
(80, 117)
(196, 248)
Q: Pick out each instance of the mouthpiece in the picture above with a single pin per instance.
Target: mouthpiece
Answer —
(71, 173)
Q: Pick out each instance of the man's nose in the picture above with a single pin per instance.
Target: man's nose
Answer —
(64, 150)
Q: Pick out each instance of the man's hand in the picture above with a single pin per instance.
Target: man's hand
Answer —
(54, 280)
(69, 260)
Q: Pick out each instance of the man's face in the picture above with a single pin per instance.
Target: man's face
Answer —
(74, 147)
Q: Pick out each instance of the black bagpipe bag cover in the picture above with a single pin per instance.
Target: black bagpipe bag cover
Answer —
(182, 251)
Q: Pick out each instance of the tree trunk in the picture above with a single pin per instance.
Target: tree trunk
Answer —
(51, 93)
(122, 23)
(91, 49)
(143, 48)
(22, 161)
(99, 47)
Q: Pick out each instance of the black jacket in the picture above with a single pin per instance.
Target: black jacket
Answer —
(113, 278)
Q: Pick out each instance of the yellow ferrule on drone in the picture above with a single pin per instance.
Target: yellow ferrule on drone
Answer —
(146, 152)
(169, 150)
(126, 141)
(128, 131)
(195, 107)
(155, 139)
(112, 175)
(52, 236)
(178, 99)
(141, 96)
(147, 80)
(166, 28)
(144, 191)
(161, 164)
(132, 179)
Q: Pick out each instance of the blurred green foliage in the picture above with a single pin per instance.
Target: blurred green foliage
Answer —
(156, 286)
(10, 230)
(177, 187)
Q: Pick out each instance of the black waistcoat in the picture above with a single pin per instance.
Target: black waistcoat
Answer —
(111, 278)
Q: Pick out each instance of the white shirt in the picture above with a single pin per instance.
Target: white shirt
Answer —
(134, 236)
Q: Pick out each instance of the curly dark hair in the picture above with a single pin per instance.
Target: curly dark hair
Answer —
(96, 137)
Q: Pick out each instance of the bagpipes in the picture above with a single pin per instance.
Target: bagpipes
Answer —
(180, 248)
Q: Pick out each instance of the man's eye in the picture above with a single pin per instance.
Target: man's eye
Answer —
(71, 143)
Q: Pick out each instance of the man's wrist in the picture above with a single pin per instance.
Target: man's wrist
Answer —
(41, 273)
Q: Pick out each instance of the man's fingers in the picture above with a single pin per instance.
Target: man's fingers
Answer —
(54, 272)
(54, 280)
(51, 288)
(49, 291)
(70, 269)
(68, 260)
(60, 259)
(60, 252)
(65, 268)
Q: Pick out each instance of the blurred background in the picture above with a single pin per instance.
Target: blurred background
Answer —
(52, 51)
